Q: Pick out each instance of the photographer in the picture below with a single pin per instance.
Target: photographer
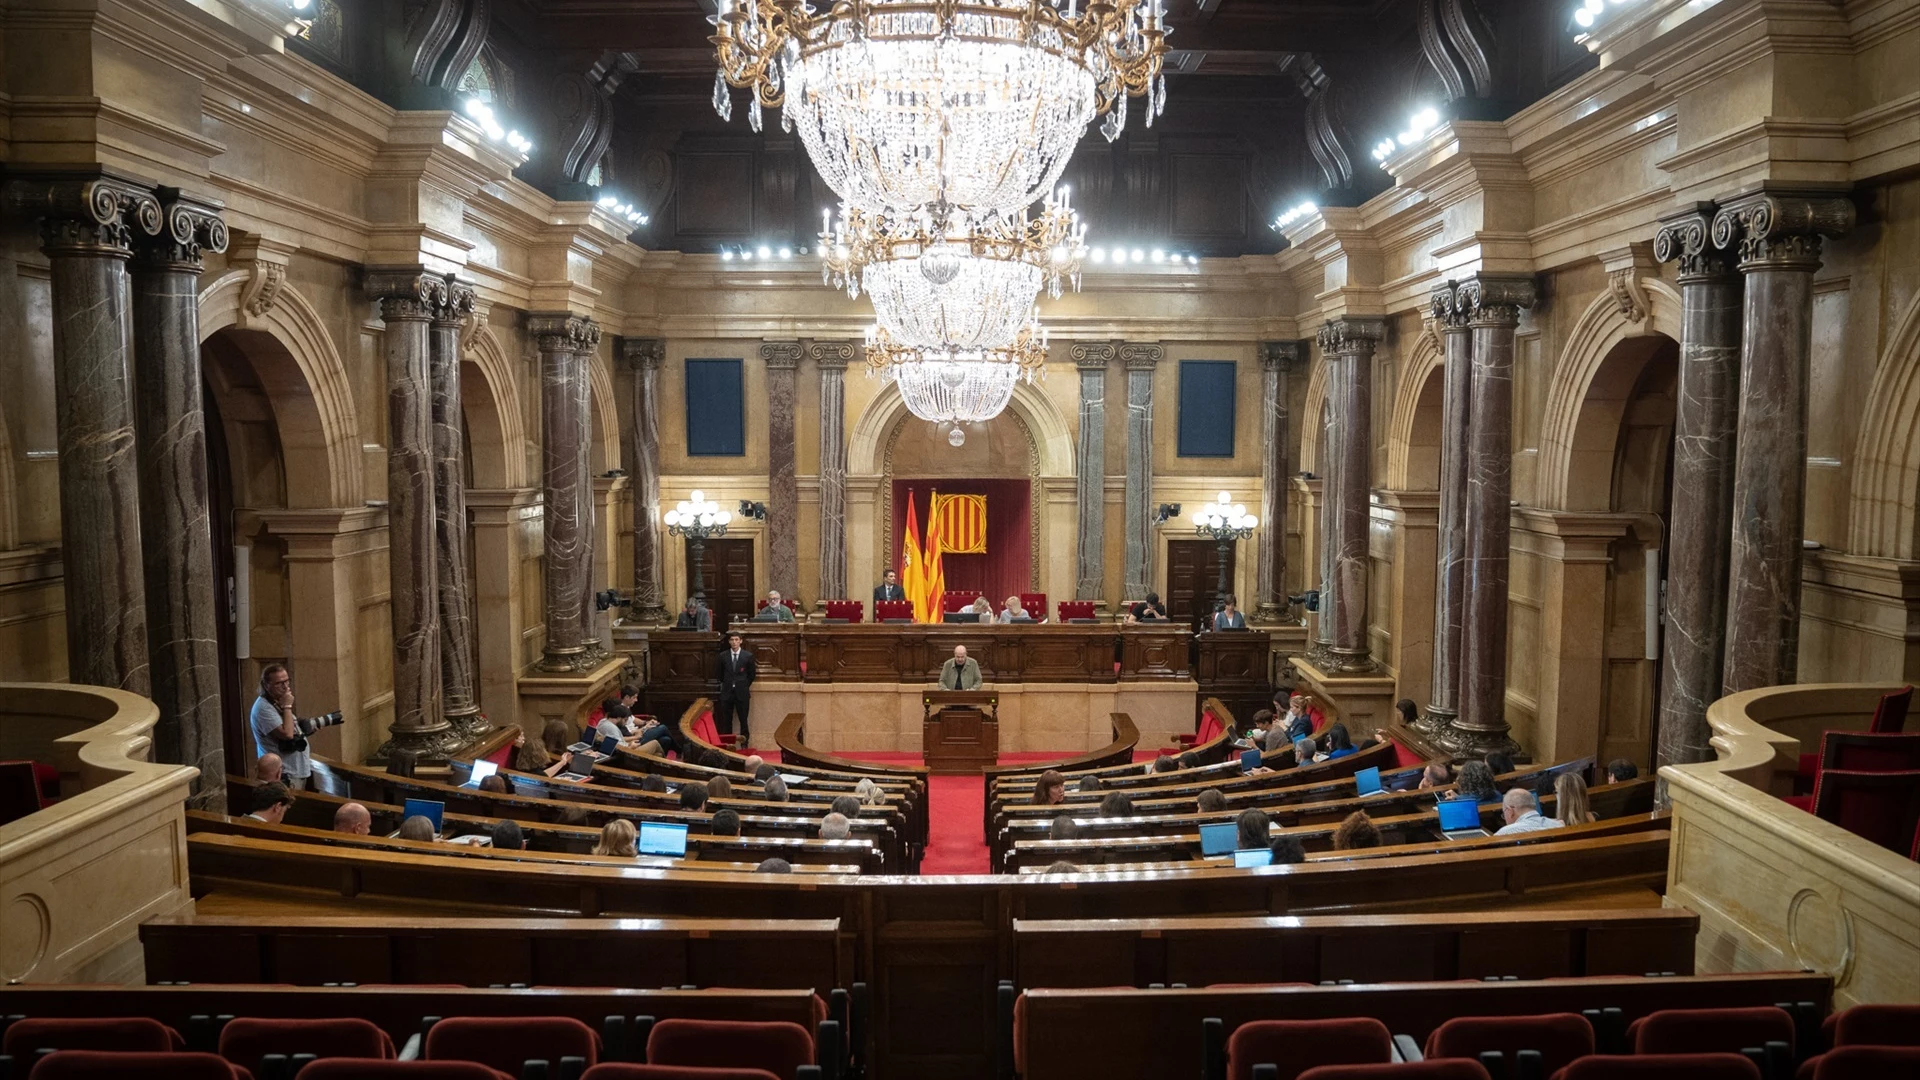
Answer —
(277, 731)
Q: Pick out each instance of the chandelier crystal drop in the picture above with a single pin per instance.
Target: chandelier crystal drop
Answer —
(954, 386)
(975, 103)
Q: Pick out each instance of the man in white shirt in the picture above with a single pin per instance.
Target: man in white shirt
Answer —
(1522, 812)
(276, 731)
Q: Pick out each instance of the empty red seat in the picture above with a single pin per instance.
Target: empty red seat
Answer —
(1559, 1037)
(617, 1071)
(777, 1047)
(1661, 1067)
(1867, 1063)
(851, 610)
(1709, 1031)
(1438, 1069)
(1889, 717)
(1076, 609)
(128, 1034)
(133, 1065)
(1298, 1045)
(245, 1040)
(1877, 1025)
(1880, 807)
(1035, 604)
(506, 1042)
(361, 1069)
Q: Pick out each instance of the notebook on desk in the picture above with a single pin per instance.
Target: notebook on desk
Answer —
(662, 838)
(481, 770)
(1247, 857)
(1460, 819)
(430, 809)
(1219, 838)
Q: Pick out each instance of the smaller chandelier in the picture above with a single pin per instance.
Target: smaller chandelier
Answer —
(956, 386)
(699, 516)
(1225, 519)
(943, 278)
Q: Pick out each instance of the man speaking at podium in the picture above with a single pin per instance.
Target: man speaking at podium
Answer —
(960, 673)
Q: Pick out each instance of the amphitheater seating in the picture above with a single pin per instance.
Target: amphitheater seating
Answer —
(1558, 1038)
(1443, 1069)
(133, 1034)
(1661, 1067)
(347, 1069)
(1875, 1025)
(245, 1041)
(1293, 1046)
(1881, 807)
(1864, 1063)
(780, 1049)
(504, 1043)
(111, 1065)
(1704, 1031)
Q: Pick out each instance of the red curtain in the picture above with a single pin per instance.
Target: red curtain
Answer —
(1007, 567)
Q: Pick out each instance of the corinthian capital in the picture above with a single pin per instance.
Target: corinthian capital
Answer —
(1686, 238)
(406, 292)
(456, 304)
(86, 212)
(1781, 231)
(643, 354)
(1449, 314)
(1352, 335)
(189, 228)
(563, 331)
(1495, 299)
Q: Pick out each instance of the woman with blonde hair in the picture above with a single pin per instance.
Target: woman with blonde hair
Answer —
(981, 608)
(1570, 800)
(719, 788)
(617, 838)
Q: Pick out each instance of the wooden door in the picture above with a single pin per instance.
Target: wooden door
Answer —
(1193, 576)
(236, 735)
(727, 567)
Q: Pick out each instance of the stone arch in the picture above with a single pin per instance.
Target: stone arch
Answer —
(1052, 438)
(295, 360)
(1313, 414)
(490, 401)
(1413, 440)
(1589, 390)
(605, 417)
(1886, 476)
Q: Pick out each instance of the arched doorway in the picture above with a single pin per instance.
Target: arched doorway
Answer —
(999, 463)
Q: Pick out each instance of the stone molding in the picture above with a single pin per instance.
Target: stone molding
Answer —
(456, 304)
(406, 293)
(1781, 231)
(1626, 268)
(86, 213)
(1447, 312)
(1686, 238)
(1142, 355)
(1352, 335)
(643, 353)
(189, 228)
(830, 354)
(563, 331)
(1092, 355)
(781, 355)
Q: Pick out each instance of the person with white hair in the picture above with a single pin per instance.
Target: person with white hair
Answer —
(776, 609)
(1522, 812)
(835, 826)
(868, 792)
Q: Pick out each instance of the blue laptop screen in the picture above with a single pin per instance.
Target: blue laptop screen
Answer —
(660, 838)
(1218, 839)
(1249, 760)
(1459, 814)
(1259, 856)
(1368, 780)
(426, 808)
(608, 744)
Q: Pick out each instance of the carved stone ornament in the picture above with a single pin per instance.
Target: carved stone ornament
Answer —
(456, 303)
(781, 354)
(1685, 238)
(1779, 231)
(563, 331)
(262, 289)
(1495, 299)
(406, 292)
(1628, 294)
(1141, 355)
(189, 228)
(477, 325)
(86, 213)
(1352, 335)
(1281, 355)
(830, 354)
(643, 353)
(1449, 314)
(1092, 355)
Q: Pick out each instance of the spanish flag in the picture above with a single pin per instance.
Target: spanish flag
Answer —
(912, 562)
(933, 576)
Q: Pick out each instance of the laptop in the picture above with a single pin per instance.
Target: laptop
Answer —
(1249, 760)
(1368, 781)
(608, 744)
(1247, 857)
(430, 809)
(1218, 839)
(1460, 819)
(579, 767)
(481, 770)
(962, 617)
(662, 838)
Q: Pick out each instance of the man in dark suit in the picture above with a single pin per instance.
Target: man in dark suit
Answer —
(737, 670)
(889, 588)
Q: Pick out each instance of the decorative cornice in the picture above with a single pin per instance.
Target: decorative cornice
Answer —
(406, 292)
(1496, 299)
(1092, 355)
(1352, 335)
(830, 354)
(643, 354)
(86, 212)
(1281, 355)
(189, 228)
(1141, 355)
(563, 331)
(781, 355)
(1685, 238)
(1781, 231)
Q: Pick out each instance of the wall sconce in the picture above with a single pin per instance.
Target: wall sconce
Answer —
(755, 510)
(1165, 511)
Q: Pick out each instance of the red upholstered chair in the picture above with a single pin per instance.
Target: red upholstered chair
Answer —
(616, 1071)
(506, 1042)
(892, 609)
(1559, 1037)
(129, 1034)
(20, 792)
(1076, 609)
(1709, 1031)
(245, 1040)
(1210, 727)
(1035, 604)
(1889, 718)
(851, 610)
(1661, 1067)
(789, 604)
(1867, 1063)
(1877, 1025)
(356, 1069)
(124, 1065)
(958, 599)
(1298, 1045)
(1439, 1069)
(778, 1047)
(1882, 807)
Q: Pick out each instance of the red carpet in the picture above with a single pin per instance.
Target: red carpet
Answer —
(954, 843)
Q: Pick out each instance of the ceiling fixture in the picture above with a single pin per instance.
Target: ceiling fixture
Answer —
(904, 104)
(943, 279)
(957, 386)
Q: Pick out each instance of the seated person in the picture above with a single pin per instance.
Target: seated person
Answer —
(835, 826)
(1116, 804)
(271, 803)
(352, 819)
(774, 866)
(1305, 753)
(1477, 780)
(870, 793)
(1287, 849)
(1148, 610)
(1339, 743)
(1409, 712)
(1229, 616)
(617, 838)
(418, 827)
(694, 617)
(1164, 763)
(1500, 762)
(724, 823)
(535, 757)
(506, 836)
(981, 608)
(1090, 783)
(1357, 831)
(1012, 610)
(1570, 800)
(776, 610)
(496, 784)
(268, 768)
(655, 783)
(1620, 770)
(1063, 866)
(1522, 812)
(1063, 828)
(1050, 789)
(1253, 826)
(1436, 774)
(1257, 729)
(774, 790)
(719, 788)
(1299, 719)
(693, 796)
(1211, 801)
(845, 804)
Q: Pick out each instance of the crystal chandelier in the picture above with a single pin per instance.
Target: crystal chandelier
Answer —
(956, 386)
(909, 103)
(941, 278)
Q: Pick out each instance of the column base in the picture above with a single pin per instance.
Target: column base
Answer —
(428, 745)
(651, 615)
(1362, 701)
(469, 725)
(1434, 721)
(1464, 742)
(586, 658)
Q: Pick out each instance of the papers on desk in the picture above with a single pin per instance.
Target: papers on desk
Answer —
(791, 779)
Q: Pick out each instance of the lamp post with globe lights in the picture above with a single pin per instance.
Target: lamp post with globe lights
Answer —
(697, 519)
(1225, 521)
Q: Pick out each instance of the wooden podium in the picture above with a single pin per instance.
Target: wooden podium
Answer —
(961, 734)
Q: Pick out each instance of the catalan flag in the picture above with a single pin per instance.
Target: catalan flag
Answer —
(933, 576)
(963, 523)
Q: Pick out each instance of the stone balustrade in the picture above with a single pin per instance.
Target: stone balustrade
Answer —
(1776, 888)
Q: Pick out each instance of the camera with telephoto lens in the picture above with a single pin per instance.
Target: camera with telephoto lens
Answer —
(313, 724)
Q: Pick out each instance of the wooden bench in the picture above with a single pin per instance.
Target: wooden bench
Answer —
(771, 954)
(1063, 1034)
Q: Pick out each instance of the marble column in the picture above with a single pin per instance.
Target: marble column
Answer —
(1322, 650)
(1701, 520)
(1450, 541)
(644, 356)
(566, 343)
(1090, 566)
(459, 666)
(1778, 238)
(832, 358)
(184, 608)
(1348, 344)
(89, 222)
(1278, 359)
(1140, 360)
(409, 297)
(783, 483)
(1493, 303)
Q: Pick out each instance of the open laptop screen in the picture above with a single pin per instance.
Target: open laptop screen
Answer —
(481, 770)
(1218, 839)
(661, 838)
(1259, 856)
(1368, 781)
(1459, 814)
(1249, 760)
(427, 808)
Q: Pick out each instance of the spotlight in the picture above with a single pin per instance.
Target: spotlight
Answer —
(726, 254)
(764, 252)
